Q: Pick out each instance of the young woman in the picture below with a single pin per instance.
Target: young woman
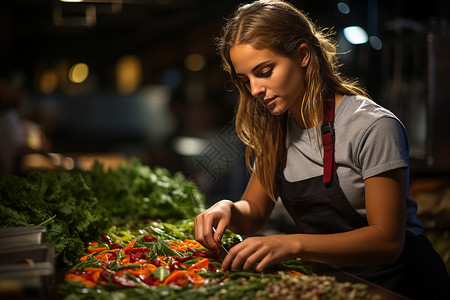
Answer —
(337, 160)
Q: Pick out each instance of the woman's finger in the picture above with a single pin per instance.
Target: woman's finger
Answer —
(208, 232)
(226, 263)
(266, 262)
(220, 230)
(245, 251)
(198, 229)
(253, 259)
(238, 255)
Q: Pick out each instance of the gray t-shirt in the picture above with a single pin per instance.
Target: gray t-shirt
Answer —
(369, 140)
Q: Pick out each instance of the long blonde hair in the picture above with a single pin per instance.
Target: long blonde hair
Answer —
(280, 27)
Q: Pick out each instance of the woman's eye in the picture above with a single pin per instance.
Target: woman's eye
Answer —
(266, 72)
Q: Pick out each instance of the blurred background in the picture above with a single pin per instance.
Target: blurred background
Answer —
(112, 79)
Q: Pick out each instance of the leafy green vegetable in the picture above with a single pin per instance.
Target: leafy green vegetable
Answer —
(137, 192)
(161, 273)
(77, 206)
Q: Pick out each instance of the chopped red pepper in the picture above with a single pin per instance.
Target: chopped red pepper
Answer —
(149, 238)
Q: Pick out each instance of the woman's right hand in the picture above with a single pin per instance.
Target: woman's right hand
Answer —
(217, 216)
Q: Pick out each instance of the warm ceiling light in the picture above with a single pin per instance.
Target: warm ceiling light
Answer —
(78, 73)
(128, 74)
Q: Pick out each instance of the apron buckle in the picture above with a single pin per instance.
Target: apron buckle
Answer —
(327, 128)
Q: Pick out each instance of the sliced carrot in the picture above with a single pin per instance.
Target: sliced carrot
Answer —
(144, 271)
(101, 256)
(95, 276)
(111, 250)
(178, 245)
(193, 243)
(100, 249)
(79, 278)
(296, 273)
(162, 260)
(197, 279)
(141, 261)
(151, 267)
(190, 276)
(86, 257)
(125, 260)
(203, 263)
(130, 244)
(174, 275)
(93, 244)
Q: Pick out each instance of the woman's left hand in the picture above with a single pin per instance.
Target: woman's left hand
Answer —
(260, 252)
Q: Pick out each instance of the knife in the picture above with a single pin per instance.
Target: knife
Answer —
(223, 252)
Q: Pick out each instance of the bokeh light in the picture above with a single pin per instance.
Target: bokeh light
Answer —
(128, 74)
(48, 81)
(195, 62)
(343, 8)
(375, 42)
(355, 35)
(78, 73)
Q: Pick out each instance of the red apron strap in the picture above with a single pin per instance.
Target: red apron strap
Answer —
(328, 138)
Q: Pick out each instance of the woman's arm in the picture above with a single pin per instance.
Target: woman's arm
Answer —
(245, 216)
(252, 212)
(378, 243)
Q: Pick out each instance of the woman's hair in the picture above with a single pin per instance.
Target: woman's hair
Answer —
(279, 27)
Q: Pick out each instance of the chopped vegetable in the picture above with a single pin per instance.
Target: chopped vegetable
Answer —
(191, 272)
(138, 226)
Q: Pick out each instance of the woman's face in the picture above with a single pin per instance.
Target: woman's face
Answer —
(274, 80)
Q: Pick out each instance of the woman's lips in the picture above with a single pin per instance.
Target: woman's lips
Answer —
(269, 101)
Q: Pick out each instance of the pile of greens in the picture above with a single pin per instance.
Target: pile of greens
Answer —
(137, 192)
(77, 206)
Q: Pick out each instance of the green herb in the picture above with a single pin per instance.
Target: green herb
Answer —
(161, 273)
(295, 265)
(120, 267)
(90, 263)
(137, 192)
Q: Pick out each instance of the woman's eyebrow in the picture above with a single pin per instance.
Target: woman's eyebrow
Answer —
(255, 68)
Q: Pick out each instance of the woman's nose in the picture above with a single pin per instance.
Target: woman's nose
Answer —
(256, 88)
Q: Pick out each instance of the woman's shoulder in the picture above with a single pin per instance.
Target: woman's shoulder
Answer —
(359, 107)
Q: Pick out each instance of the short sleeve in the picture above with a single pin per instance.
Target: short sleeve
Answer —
(383, 147)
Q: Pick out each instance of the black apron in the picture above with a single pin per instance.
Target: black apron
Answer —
(319, 206)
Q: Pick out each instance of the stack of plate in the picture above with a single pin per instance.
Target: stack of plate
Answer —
(26, 265)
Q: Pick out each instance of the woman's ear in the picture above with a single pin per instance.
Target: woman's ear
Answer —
(305, 54)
